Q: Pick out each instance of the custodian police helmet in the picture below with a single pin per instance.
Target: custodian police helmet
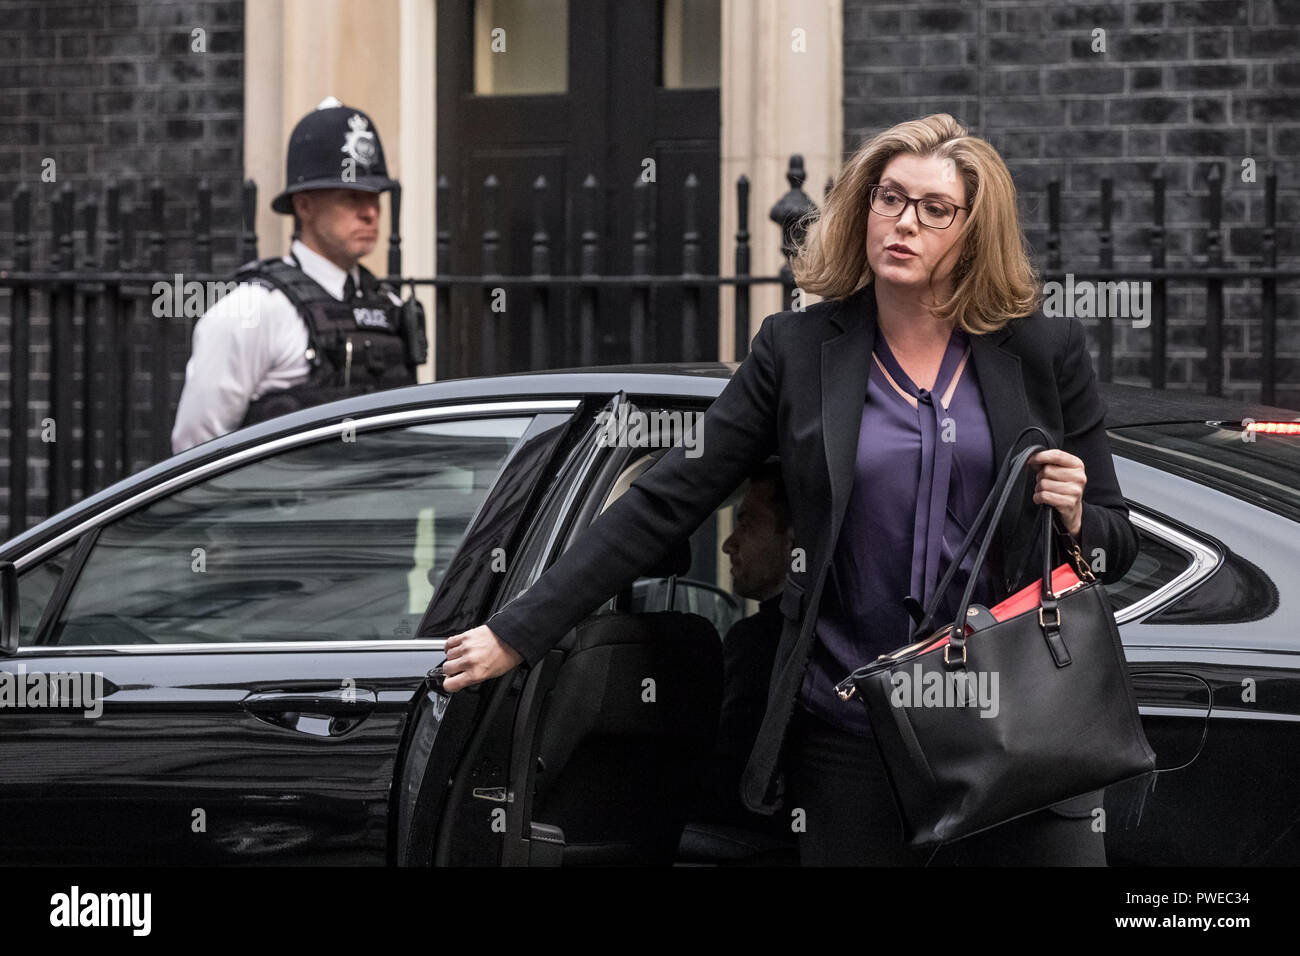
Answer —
(333, 147)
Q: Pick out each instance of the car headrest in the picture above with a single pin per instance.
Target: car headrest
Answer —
(676, 563)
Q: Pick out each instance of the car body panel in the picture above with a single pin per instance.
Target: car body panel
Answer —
(253, 751)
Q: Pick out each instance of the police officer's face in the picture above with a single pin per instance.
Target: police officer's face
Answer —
(340, 224)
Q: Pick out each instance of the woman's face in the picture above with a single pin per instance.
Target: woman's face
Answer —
(920, 177)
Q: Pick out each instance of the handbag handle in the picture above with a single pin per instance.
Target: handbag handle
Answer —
(1047, 600)
(1011, 466)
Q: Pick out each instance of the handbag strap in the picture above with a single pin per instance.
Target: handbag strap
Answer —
(1047, 600)
(1009, 470)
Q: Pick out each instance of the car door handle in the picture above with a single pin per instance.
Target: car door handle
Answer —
(347, 702)
(321, 713)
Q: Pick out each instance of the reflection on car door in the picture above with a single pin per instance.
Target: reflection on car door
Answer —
(250, 644)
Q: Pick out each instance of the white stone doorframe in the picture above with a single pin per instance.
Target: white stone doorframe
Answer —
(782, 87)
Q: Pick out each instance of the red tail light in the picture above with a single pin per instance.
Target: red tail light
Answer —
(1274, 428)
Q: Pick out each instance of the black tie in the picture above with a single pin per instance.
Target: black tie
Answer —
(349, 289)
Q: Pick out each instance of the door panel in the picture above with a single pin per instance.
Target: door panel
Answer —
(1237, 803)
(215, 733)
(1230, 626)
(178, 768)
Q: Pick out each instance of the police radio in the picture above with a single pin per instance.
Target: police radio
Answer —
(411, 326)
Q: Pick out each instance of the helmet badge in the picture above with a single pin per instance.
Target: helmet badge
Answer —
(360, 143)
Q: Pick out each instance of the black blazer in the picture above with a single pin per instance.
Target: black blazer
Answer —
(799, 393)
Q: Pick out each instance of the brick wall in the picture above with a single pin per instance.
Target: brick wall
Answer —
(114, 93)
(1180, 86)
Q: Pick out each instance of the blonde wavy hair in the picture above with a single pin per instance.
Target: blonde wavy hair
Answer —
(993, 281)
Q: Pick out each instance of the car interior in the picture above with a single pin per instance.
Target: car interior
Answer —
(627, 713)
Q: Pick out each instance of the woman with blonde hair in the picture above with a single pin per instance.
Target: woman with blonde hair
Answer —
(891, 403)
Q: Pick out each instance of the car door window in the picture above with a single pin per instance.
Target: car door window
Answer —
(1172, 563)
(338, 540)
(1157, 564)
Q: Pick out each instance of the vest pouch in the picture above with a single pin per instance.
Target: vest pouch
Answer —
(374, 358)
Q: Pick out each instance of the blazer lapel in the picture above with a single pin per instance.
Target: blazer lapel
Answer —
(1003, 388)
(846, 365)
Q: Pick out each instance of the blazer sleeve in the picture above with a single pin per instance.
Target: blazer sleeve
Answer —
(664, 505)
(1105, 522)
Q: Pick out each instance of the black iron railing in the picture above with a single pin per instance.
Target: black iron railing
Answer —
(94, 371)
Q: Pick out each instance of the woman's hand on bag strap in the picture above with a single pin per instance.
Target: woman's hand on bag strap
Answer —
(1061, 480)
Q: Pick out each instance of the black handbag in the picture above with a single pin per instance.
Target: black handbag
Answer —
(978, 730)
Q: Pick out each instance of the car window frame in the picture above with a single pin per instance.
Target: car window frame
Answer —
(610, 462)
(583, 472)
(87, 531)
(606, 470)
(538, 544)
(1204, 558)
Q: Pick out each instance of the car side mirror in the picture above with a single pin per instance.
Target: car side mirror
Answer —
(10, 614)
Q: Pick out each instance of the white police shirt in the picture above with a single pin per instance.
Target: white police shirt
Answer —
(249, 343)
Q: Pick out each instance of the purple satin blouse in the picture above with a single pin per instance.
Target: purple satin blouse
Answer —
(922, 473)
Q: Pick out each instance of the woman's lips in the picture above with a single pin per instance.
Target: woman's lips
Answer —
(898, 253)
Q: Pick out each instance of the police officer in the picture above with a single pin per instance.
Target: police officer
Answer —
(314, 326)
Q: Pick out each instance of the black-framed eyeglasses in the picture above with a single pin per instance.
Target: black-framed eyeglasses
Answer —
(935, 213)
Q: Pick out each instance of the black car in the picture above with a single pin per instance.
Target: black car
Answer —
(226, 658)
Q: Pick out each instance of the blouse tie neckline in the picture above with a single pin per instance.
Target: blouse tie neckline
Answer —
(936, 460)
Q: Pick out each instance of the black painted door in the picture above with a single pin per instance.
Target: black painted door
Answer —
(615, 111)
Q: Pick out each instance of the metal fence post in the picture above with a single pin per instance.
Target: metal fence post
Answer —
(791, 213)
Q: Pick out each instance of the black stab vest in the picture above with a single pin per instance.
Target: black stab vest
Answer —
(352, 347)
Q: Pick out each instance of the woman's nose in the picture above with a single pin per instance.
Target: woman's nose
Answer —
(914, 225)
